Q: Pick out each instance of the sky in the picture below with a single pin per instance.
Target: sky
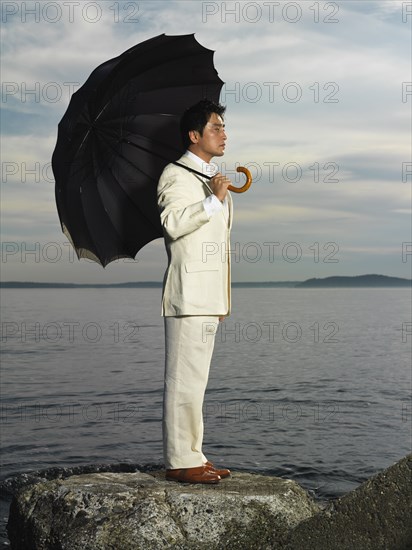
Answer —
(318, 98)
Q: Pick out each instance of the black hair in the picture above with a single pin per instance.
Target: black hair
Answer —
(196, 118)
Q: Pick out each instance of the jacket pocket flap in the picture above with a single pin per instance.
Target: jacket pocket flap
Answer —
(192, 267)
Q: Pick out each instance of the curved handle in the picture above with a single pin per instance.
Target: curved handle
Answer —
(248, 181)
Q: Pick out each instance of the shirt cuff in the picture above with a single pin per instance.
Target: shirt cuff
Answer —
(212, 205)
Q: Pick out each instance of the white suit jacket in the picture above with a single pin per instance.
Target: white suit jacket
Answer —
(197, 279)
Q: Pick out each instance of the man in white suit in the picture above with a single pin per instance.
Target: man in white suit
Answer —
(196, 215)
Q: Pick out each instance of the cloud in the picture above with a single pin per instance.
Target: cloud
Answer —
(302, 98)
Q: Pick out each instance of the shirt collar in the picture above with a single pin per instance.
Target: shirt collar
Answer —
(208, 168)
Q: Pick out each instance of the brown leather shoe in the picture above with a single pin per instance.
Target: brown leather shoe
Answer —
(222, 472)
(201, 474)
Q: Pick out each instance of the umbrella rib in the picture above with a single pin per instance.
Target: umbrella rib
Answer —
(136, 205)
(114, 229)
(203, 84)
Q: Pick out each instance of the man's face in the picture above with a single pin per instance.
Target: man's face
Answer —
(212, 142)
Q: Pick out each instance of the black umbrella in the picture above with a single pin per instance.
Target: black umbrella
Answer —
(120, 130)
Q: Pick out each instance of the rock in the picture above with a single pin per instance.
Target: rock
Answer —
(375, 516)
(123, 511)
(132, 511)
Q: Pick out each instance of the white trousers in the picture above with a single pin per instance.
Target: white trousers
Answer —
(189, 342)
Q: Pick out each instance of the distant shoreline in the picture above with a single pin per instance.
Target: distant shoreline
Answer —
(359, 281)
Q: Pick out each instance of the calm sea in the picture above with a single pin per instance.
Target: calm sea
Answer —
(311, 384)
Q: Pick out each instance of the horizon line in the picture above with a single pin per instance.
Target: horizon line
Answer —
(160, 283)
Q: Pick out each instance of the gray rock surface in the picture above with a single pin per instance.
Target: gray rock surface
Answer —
(132, 511)
(375, 516)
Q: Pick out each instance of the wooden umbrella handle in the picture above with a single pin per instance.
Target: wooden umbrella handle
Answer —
(246, 185)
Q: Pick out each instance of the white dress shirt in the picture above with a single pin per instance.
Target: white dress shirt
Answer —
(211, 203)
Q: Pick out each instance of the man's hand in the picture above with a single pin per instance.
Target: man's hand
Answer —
(219, 185)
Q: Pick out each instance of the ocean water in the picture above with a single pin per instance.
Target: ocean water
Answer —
(310, 384)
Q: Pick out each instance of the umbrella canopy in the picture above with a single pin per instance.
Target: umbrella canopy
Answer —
(120, 130)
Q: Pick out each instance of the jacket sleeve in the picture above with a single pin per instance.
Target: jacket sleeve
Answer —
(177, 214)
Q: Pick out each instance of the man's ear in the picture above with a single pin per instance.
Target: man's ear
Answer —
(193, 136)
